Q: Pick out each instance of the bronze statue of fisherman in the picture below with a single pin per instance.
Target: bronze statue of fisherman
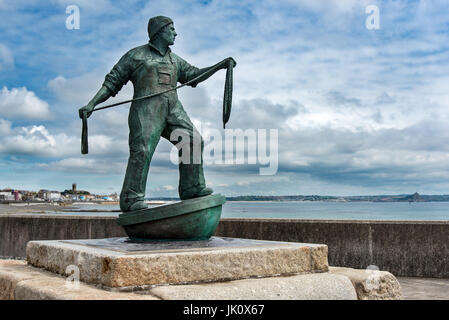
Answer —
(153, 68)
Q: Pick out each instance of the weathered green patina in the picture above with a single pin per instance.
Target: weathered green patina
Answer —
(153, 68)
(194, 219)
(155, 71)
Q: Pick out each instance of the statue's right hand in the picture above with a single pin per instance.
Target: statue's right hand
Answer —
(225, 62)
(234, 63)
(86, 109)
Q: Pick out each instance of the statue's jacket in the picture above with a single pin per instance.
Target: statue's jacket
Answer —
(151, 72)
(144, 66)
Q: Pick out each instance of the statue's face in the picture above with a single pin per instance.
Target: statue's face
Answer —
(169, 34)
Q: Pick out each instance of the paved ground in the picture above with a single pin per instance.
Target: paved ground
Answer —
(424, 289)
(34, 208)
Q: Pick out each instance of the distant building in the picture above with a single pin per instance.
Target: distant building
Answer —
(54, 196)
(28, 195)
(86, 197)
(49, 195)
(6, 195)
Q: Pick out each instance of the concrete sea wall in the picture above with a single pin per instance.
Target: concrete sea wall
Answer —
(404, 248)
(16, 230)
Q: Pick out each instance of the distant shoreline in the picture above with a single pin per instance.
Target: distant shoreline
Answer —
(416, 197)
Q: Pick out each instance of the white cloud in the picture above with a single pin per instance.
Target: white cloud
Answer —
(78, 90)
(5, 127)
(84, 165)
(19, 103)
(335, 6)
(161, 190)
(34, 140)
(37, 140)
(98, 5)
(102, 145)
(168, 188)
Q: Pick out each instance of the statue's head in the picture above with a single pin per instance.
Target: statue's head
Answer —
(161, 27)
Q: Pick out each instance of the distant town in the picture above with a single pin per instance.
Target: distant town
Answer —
(9, 195)
(43, 195)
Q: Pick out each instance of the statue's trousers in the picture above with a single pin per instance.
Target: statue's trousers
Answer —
(150, 119)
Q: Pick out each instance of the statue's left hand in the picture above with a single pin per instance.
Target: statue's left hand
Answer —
(86, 109)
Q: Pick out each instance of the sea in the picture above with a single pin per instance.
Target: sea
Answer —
(308, 210)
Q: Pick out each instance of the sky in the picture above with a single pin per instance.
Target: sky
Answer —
(357, 110)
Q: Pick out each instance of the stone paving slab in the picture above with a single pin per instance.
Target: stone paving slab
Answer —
(318, 286)
(118, 263)
(424, 288)
(18, 281)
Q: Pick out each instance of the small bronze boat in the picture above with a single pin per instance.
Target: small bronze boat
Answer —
(193, 219)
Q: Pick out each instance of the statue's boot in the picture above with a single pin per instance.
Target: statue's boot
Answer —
(196, 194)
(138, 205)
(204, 192)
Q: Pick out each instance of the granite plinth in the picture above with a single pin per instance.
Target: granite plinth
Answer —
(21, 282)
(121, 263)
(193, 219)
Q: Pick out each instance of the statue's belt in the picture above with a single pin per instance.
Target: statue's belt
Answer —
(227, 100)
